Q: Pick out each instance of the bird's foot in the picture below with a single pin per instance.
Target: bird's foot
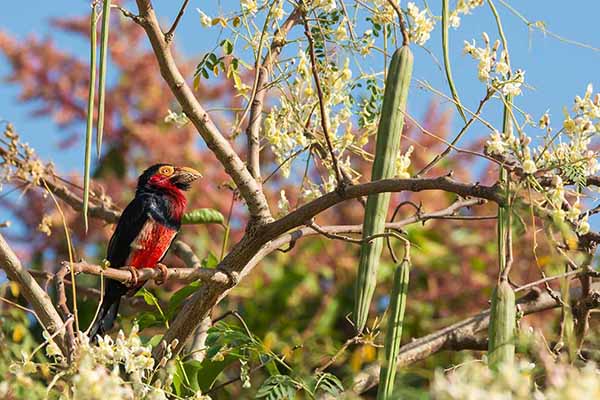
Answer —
(164, 274)
(133, 281)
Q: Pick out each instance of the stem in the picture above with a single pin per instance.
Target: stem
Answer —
(447, 68)
(227, 228)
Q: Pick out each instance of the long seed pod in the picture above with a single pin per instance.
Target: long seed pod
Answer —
(90, 115)
(386, 151)
(393, 334)
(501, 331)
(502, 326)
(102, 74)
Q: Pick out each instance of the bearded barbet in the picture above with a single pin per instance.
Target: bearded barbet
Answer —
(144, 233)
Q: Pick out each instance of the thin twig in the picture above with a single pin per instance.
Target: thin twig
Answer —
(460, 134)
(405, 35)
(171, 32)
(124, 275)
(320, 95)
(352, 340)
(260, 88)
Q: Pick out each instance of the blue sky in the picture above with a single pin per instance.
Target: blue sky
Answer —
(556, 71)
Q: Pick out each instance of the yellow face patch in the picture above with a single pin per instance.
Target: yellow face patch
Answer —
(166, 170)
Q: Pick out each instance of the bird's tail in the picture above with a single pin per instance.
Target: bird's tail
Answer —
(108, 309)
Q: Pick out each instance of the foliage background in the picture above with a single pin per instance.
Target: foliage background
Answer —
(44, 64)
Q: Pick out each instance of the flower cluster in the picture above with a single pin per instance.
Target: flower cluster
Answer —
(325, 5)
(18, 160)
(463, 7)
(122, 368)
(249, 6)
(475, 380)
(568, 158)
(93, 381)
(283, 204)
(177, 119)
(45, 226)
(385, 12)
(403, 163)
(421, 24)
(126, 351)
(493, 69)
(294, 125)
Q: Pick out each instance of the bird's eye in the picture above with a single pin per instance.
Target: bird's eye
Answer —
(166, 170)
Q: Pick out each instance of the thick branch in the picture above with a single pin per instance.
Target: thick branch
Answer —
(256, 244)
(261, 90)
(249, 188)
(315, 207)
(35, 295)
(462, 335)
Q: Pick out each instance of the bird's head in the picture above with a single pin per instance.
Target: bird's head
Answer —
(166, 177)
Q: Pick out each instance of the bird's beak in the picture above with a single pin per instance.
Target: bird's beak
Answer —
(185, 175)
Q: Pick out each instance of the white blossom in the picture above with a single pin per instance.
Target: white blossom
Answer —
(421, 24)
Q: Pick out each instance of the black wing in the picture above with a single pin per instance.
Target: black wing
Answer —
(130, 224)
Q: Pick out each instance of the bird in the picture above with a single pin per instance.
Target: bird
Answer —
(144, 234)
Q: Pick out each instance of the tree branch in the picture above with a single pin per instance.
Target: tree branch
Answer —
(99, 211)
(445, 183)
(462, 335)
(252, 131)
(35, 295)
(171, 32)
(254, 246)
(145, 274)
(249, 188)
(321, 97)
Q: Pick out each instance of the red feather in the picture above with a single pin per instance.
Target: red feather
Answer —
(151, 244)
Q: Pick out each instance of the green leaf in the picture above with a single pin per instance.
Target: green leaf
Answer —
(329, 384)
(149, 298)
(210, 261)
(278, 387)
(148, 319)
(203, 216)
(227, 46)
(154, 340)
(210, 371)
(179, 296)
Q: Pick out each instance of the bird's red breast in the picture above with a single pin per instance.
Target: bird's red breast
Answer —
(150, 245)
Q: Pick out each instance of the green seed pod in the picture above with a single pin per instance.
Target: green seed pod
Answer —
(389, 133)
(90, 116)
(102, 75)
(393, 335)
(503, 317)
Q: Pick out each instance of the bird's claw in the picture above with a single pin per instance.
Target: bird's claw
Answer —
(133, 281)
(164, 274)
